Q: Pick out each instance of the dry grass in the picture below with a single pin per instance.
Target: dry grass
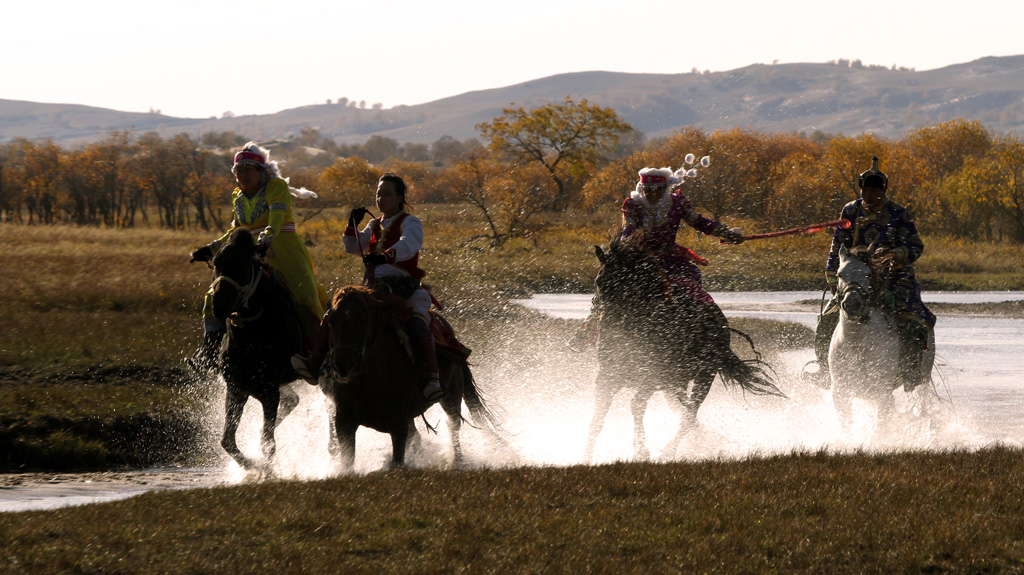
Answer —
(951, 512)
(85, 295)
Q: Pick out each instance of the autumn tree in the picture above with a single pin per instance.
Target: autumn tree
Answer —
(349, 182)
(568, 140)
(507, 198)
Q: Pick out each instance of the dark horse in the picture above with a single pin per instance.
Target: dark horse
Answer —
(263, 332)
(377, 382)
(654, 338)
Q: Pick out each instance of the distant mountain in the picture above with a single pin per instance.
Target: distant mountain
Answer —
(834, 98)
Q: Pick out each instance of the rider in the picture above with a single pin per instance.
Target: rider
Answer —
(888, 231)
(390, 247)
(262, 203)
(651, 216)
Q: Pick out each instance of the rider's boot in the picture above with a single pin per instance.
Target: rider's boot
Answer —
(911, 350)
(309, 368)
(206, 359)
(423, 343)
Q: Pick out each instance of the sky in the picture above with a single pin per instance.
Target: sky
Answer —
(201, 58)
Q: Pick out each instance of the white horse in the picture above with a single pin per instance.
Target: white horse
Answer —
(864, 354)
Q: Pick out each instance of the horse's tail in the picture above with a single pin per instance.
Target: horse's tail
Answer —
(482, 414)
(752, 375)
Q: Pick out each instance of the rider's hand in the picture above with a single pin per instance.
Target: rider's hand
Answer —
(733, 236)
(264, 239)
(375, 259)
(203, 254)
(356, 216)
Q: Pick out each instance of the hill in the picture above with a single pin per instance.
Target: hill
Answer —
(843, 97)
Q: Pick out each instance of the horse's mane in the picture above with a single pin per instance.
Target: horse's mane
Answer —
(390, 309)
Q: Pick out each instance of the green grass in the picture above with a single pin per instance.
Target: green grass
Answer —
(950, 512)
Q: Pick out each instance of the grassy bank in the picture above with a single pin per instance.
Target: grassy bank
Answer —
(804, 513)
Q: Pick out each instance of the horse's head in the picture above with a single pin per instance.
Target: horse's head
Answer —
(237, 273)
(629, 275)
(854, 289)
(357, 316)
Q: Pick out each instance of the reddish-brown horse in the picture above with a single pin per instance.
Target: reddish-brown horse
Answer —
(377, 382)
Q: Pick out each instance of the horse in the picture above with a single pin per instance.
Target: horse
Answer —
(263, 331)
(376, 380)
(864, 352)
(655, 338)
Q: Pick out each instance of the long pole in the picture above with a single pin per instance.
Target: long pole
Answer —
(809, 229)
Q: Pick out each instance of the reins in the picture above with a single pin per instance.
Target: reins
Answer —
(245, 293)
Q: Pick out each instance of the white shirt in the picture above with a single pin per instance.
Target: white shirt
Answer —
(407, 246)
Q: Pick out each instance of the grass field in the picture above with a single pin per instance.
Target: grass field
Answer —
(814, 513)
(98, 322)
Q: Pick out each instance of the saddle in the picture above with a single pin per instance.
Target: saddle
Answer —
(440, 329)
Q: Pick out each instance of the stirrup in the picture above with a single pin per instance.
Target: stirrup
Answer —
(433, 392)
(301, 367)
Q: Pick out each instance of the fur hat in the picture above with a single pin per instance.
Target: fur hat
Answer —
(252, 154)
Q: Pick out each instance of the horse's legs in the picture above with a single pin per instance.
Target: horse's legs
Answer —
(690, 402)
(604, 392)
(415, 441)
(843, 401)
(346, 433)
(399, 437)
(234, 403)
(885, 408)
(271, 401)
(638, 407)
(289, 401)
(327, 388)
(452, 404)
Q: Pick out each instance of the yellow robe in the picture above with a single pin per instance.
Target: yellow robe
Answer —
(270, 211)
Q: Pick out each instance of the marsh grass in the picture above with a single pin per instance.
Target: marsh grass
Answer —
(939, 512)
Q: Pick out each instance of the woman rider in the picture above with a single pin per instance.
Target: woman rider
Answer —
(390, 247)
(262, 203)
(651, 216)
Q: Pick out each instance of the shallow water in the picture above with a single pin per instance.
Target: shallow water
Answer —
(543, 393)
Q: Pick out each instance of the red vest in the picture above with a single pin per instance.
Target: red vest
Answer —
(392, 234)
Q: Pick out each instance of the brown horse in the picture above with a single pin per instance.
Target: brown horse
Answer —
(377, 383)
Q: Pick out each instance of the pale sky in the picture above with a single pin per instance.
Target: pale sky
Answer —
(200, 58)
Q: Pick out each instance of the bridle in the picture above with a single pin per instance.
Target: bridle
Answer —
(244, 293)
(369, 337)
(866, 294)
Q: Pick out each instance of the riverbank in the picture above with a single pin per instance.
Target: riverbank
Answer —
(935, 512)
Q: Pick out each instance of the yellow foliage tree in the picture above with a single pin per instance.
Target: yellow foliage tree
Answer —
(568, 140)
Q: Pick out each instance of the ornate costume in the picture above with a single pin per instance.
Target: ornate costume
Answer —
(267, 214)
(654, 227)
(399, 239)
(890, 227)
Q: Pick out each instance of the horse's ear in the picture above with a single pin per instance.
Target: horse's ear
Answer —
(600, 253)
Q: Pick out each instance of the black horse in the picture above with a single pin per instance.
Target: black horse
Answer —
(654, 337)
(263, 332)
(377, 383)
